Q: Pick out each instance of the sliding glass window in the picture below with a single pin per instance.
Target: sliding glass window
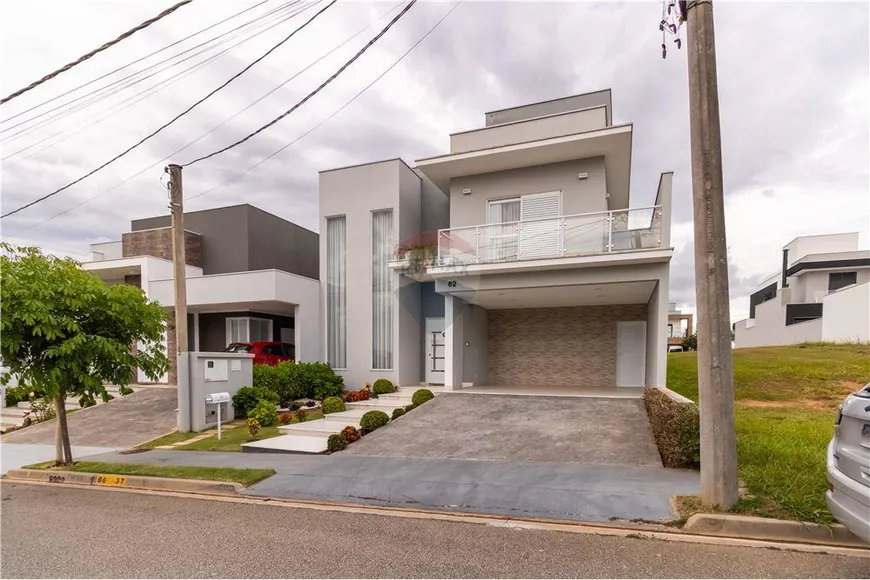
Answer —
(336, 292)
(383, 288)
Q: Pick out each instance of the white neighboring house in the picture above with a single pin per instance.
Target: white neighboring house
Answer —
(822, 293)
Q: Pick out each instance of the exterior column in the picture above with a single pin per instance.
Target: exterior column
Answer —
(453, 342)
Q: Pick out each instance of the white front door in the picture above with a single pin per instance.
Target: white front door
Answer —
(540, 231)
(630, 354)
(435, 351)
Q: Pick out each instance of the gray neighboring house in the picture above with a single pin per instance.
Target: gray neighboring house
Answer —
(514, 260)
(250, 276)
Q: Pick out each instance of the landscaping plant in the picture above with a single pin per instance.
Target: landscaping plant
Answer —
(336, 442)
(384, 386)
(350, 434)
(247, 398)
(265, 413)
(68, 333)
(398, 413)
(409, 408)
(420, 396)
(301, 414)
(333, 405)
(253, 427)
(373, 420)
(285, 417)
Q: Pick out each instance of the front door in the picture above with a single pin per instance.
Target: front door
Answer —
(435, 351)
(630, 354)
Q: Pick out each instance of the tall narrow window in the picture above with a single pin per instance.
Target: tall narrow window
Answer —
(336, 292)
(383, 288)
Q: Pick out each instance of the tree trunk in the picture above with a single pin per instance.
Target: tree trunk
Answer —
(58, 437)
(60, 407)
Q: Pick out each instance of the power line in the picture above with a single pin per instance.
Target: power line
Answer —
(312, 93)
(166, 83)
(140, 172)
(168, 46)
(190, 108)
(105, 46)
(337, 111)
(119, 85)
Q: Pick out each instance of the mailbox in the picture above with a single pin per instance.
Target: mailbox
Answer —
(215, 398)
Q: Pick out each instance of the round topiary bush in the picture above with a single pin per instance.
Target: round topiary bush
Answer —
(332, 405)
(398, 413)
(336, 442)
(420, 396)
(410, 407)
(373, 420)
(383, 386)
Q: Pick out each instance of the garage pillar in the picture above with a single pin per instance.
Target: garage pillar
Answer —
(454, 310)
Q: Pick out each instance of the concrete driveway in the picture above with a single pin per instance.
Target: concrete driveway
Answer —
(586, 431)
(123, 422)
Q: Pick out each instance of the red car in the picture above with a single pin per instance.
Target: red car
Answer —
(265, 353)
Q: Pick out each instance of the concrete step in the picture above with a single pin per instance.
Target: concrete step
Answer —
(349, 417)
(408, 391)
(373, 405)
(394, 397)
(318, 427)
(288, 444)
(14, 412)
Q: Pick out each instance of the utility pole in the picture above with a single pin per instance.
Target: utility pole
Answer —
(719, 486)
(176, 205)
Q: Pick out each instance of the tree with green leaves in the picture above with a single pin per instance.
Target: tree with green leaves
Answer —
(67, 333)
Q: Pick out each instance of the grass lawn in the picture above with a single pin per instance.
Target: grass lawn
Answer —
(169, 439)
(787, 400)
(244, 476)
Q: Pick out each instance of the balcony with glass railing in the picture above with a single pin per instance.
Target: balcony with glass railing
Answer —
(577, 235)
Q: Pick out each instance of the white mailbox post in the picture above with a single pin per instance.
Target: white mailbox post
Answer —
(218, 399)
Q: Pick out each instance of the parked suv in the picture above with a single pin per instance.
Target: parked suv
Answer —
(265, 353)
(849, 465)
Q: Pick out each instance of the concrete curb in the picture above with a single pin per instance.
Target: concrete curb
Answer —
(126, 481)
(735, 526)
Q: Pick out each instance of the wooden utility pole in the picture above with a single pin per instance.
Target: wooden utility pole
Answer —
(176, 205)
(719, 486)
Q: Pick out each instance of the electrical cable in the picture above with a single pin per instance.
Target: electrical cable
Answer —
(334, 113)
(105, 46)
(312, 93)
(155, 132)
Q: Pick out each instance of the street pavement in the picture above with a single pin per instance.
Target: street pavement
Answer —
(517, 489)
(54, 532)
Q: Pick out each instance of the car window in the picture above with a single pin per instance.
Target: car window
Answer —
(272, 349)
(289, 350)
(239, 348)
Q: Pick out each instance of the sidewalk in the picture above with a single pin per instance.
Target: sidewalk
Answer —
(513, 489)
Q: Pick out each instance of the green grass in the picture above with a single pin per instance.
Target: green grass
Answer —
(169, 439)
(787, 401)
(246, 477)
(233, 438)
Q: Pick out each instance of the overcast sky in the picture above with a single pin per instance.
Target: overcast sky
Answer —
(793, 82)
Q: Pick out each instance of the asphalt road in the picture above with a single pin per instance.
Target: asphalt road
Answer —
(52, 532)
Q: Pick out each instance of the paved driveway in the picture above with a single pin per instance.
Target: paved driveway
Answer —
(586, 431)
(123, 422)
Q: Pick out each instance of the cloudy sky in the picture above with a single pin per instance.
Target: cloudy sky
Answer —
(793, 81)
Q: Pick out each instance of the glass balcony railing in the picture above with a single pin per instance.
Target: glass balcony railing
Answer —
(566, 236)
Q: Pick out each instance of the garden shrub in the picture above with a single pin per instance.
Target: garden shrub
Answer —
(290, 380)
(333, 405)
(247, 398)
(301, 415)
(373, 420)
(676, 427)
(285, 417)
(410, 407)
(383, 386)
(264, 413)
(350, 433)
(318, 381)
(336, 442)
(420, 396)
(253, 427)
(398, 413)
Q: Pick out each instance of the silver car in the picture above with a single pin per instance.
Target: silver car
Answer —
(849, 465)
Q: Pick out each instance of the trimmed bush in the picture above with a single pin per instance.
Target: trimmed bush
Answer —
(383, 386)
(333, 405)
(676, 426)
(350, 434)
(420, 396)
(373, 420)
(265, 413)
(397, 413)
(289, 380)
(336, 442)
(410, 407)
(247, 398)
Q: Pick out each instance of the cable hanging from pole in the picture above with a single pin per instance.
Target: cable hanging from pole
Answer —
(312, 93)
(105, 46)
(171, 121)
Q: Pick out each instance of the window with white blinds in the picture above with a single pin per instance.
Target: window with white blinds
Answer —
(383, 288)
(336, 292)
(248, 329)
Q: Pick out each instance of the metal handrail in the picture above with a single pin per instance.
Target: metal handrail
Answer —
(561, 217)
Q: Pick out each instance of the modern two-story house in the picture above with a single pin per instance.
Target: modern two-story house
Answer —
(516, 259)
(821, 293)
(251, 276)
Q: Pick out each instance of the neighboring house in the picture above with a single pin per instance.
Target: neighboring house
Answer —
(677, 330)
(513, 260)
(822, 293)
(251, 276)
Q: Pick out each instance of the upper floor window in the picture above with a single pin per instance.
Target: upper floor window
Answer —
(837, 280)
(336, 292)
(383, 289)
